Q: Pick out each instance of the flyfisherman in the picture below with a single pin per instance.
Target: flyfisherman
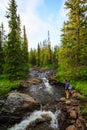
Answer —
(67, 84)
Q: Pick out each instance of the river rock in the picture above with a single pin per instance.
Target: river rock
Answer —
(44, 118)
(73, 114)
(62, 99)
(17, 102)
(2, 102)
(34, 81)
(38, 121)
(80, 124)
(86, 124)
(76, 95)
(71, 127)
(47, 117)
(30, 81)
(63, 117)
(68, 102)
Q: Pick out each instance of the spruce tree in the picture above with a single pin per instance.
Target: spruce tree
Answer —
(38, 55)
(32, 57)
(55, 56)
(12, 52)
(72, 54)
(25, 47)
(49, 54)
(1, 49)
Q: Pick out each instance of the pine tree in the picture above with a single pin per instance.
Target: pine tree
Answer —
(1, 49)
(55, 56)
(72, 54)
(32, 57)
(49, 54)
(38, 55)
(25, 47)
(12, 51)
(19, 37)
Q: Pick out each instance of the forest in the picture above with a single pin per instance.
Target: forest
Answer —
(70, 59)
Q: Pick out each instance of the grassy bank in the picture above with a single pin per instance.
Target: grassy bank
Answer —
(80, 86)
(50, 66)
(6, 86)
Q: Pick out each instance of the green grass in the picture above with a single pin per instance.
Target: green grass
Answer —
(84, 111)
(6, 86)
(81, 86)
(50, 66)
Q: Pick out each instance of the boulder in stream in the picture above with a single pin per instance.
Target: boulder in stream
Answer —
(17, 103)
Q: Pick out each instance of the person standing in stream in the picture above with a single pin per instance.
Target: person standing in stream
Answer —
(67, 84)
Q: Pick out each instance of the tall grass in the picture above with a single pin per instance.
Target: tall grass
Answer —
(6, 86)
(81, 86)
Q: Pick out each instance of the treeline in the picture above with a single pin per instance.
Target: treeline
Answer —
(44, 55)
(72, 55)
(70, 58)
(13, 46)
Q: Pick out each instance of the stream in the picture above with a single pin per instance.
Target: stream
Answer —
(48, 96)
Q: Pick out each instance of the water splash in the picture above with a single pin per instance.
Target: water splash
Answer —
(48, 87)
(35, 115)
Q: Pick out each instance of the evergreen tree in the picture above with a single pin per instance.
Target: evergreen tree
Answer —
(42, 56)
(55, 56)
(12, 51)
(32, 57)
(25, 47)
(49, 54)
(19, 31)
(1, 49)
(72, 54)
(38, 55)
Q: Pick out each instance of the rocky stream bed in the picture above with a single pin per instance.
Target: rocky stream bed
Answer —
(40, 104)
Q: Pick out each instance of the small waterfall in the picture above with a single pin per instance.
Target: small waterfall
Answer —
(35, 115)
(47, 85)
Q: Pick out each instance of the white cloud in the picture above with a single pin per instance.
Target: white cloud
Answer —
(36, 28)
(3, 5)
(61, 17)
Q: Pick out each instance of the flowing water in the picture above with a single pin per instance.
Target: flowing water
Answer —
(47, 85)
(37, 115)
(46, 95)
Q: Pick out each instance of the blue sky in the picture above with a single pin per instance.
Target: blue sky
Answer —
(38, 16)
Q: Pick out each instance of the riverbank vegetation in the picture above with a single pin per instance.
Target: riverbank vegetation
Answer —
(44, 56)
(6, 86)
(70, 59)
(13, 51)
(81, 86)
(72, 55)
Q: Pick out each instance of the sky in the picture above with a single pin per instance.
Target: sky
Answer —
(38, 16)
